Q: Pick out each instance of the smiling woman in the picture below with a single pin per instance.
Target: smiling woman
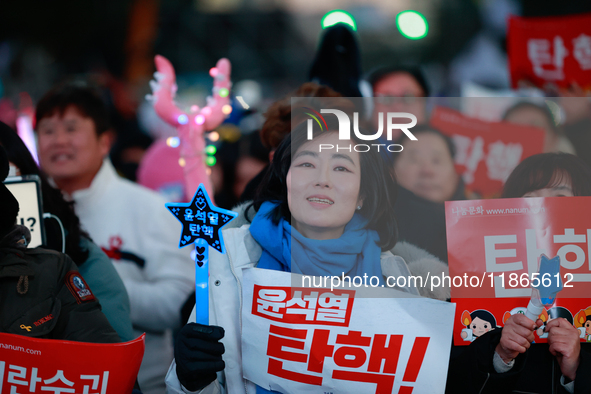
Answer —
(323, 189)
(318, 212)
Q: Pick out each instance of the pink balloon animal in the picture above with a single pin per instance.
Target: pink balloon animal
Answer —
(192, 125)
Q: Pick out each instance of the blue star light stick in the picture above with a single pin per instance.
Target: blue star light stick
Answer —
(202, 224)
(547, 288)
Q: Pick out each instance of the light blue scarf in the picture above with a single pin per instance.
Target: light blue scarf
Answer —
(285, 249)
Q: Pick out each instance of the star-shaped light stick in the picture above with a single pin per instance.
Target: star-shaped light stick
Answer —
(202, 225)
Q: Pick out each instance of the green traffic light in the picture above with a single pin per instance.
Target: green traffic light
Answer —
(333, 17)
(412, 25)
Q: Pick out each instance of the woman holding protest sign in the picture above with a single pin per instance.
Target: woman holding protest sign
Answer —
(319, 212)
(506, 359)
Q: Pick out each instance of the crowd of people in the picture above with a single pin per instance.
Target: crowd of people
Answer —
(302, 209)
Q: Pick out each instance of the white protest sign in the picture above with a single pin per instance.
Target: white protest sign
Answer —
(314, 340)
(26, 192)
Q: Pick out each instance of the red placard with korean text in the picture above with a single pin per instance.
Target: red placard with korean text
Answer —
(322, 340)
(554, 50)
(31, 365)
(487, 152)
(493, 249)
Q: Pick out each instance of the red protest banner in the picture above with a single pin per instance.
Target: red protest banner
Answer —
(30, 365)
(553, 50)
(493, 251)
(487, 152)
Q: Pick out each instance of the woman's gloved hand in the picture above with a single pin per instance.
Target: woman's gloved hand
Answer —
(198, 354)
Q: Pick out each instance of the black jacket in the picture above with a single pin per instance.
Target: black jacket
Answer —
(421, 223)
(43, 295)
(471, 370)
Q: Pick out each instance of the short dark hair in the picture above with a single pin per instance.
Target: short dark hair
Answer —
(485, 315)
(546, 170)
(377, 204)
(415, 72)
(84, 98)
(543, 109)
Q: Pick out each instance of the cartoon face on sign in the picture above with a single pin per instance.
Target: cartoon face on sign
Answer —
(477, 323)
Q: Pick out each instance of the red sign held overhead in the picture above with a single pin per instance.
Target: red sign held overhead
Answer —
(487, 152)
(30, 365)
(554, 50)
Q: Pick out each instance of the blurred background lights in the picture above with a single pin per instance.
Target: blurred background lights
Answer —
(333, 17)
(199, 119)
(210, 150)
(227, 109)
(183, 119)
(412, 25)
(210, 161)
(224, 92)
(213, 136)
(173, 142)
(213, 72)
(182, 162)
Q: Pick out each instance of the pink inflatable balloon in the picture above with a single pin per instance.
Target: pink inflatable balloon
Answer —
(191, 126)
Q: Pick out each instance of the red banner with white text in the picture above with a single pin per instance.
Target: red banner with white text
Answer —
(487, 152)
(550, 50)
(30, 365)
(493, 249)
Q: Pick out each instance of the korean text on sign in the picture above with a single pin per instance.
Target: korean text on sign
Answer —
(341, 341)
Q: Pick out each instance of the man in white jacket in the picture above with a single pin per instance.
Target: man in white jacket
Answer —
(128, 221)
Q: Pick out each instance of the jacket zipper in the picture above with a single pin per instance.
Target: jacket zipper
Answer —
(240, 298)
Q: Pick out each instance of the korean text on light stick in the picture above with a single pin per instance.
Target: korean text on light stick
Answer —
(202, 225)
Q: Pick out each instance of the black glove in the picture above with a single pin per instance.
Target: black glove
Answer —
(198, 354)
